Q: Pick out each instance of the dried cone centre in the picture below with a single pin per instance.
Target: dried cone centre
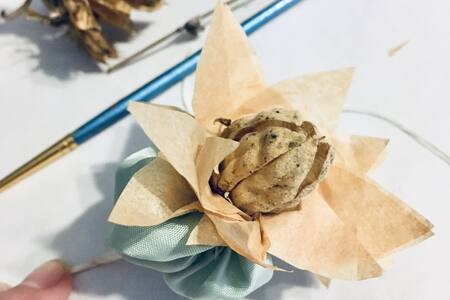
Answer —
(280, 159)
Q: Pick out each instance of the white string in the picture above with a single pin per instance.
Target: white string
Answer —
(433, 149)
(185, 95)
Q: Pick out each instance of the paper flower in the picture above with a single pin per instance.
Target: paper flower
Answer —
(168, 215)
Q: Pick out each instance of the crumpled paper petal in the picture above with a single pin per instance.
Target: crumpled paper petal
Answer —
(319, 97)
(316, 239)
(357, 153)
(246, 238)
(210, 155)
(264, 100)
(205, 233)
(384, 223)
(228, 72)
(176, 134)
(144, 204)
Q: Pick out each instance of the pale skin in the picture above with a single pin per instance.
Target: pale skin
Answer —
(50, 281)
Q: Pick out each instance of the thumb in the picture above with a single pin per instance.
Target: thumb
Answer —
(51, 281)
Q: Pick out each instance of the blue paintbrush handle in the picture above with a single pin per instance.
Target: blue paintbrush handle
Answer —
(145, 93)
(170, 77)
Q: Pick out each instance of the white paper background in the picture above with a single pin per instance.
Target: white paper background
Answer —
(48, 88)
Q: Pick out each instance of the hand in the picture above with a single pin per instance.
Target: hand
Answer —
(51, 281)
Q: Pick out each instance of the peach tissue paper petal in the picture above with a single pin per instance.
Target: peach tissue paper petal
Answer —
(152, 196)
(228, 72)
(357, 153)
(315, 239)
(205, 234)
(384, 223)
(319, 97)
(177, 135)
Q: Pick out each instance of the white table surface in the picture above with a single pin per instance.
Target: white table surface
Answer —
(49, 87)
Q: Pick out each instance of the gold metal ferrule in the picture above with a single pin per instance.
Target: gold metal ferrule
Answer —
(60, 148)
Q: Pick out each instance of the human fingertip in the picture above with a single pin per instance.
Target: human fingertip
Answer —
(4, 286)
(47, 275)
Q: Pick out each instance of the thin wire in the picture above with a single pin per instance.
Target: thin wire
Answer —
(105, 259)
(143, 50)
(166, 37)
(417, 138)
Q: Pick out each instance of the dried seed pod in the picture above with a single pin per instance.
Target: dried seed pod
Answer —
(88, 30)
(145, 5)
(81, 15)
(280, 159)
(84, 17)
(113, 12)
(96, 44)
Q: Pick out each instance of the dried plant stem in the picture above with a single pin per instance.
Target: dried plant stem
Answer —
(193, 26)
(100, 261)
(17, 12)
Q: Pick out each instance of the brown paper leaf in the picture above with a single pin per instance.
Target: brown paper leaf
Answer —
(314, 238)
(264, 100)
(152, 196)
(205, 234)
(227, 73)
(245, 237)
(176, 134)
(384, 223)
(357, 153)
(211, 154)
(319, 97)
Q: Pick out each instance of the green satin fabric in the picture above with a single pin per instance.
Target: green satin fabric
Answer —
(200, 272)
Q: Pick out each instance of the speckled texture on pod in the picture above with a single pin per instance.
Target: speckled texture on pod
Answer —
(280, 159)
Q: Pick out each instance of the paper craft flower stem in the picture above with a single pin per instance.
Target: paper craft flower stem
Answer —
(342, 228)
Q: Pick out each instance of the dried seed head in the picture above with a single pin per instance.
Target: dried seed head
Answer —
(84, 18)
(280, 159)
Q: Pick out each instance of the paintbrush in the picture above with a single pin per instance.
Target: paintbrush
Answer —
(145, 93)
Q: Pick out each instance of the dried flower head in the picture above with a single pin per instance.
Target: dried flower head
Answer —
(84, 17)
(280, 159)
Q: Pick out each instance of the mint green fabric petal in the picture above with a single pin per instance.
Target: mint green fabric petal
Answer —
(219, 273)
(200, 272)
(171, 237)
